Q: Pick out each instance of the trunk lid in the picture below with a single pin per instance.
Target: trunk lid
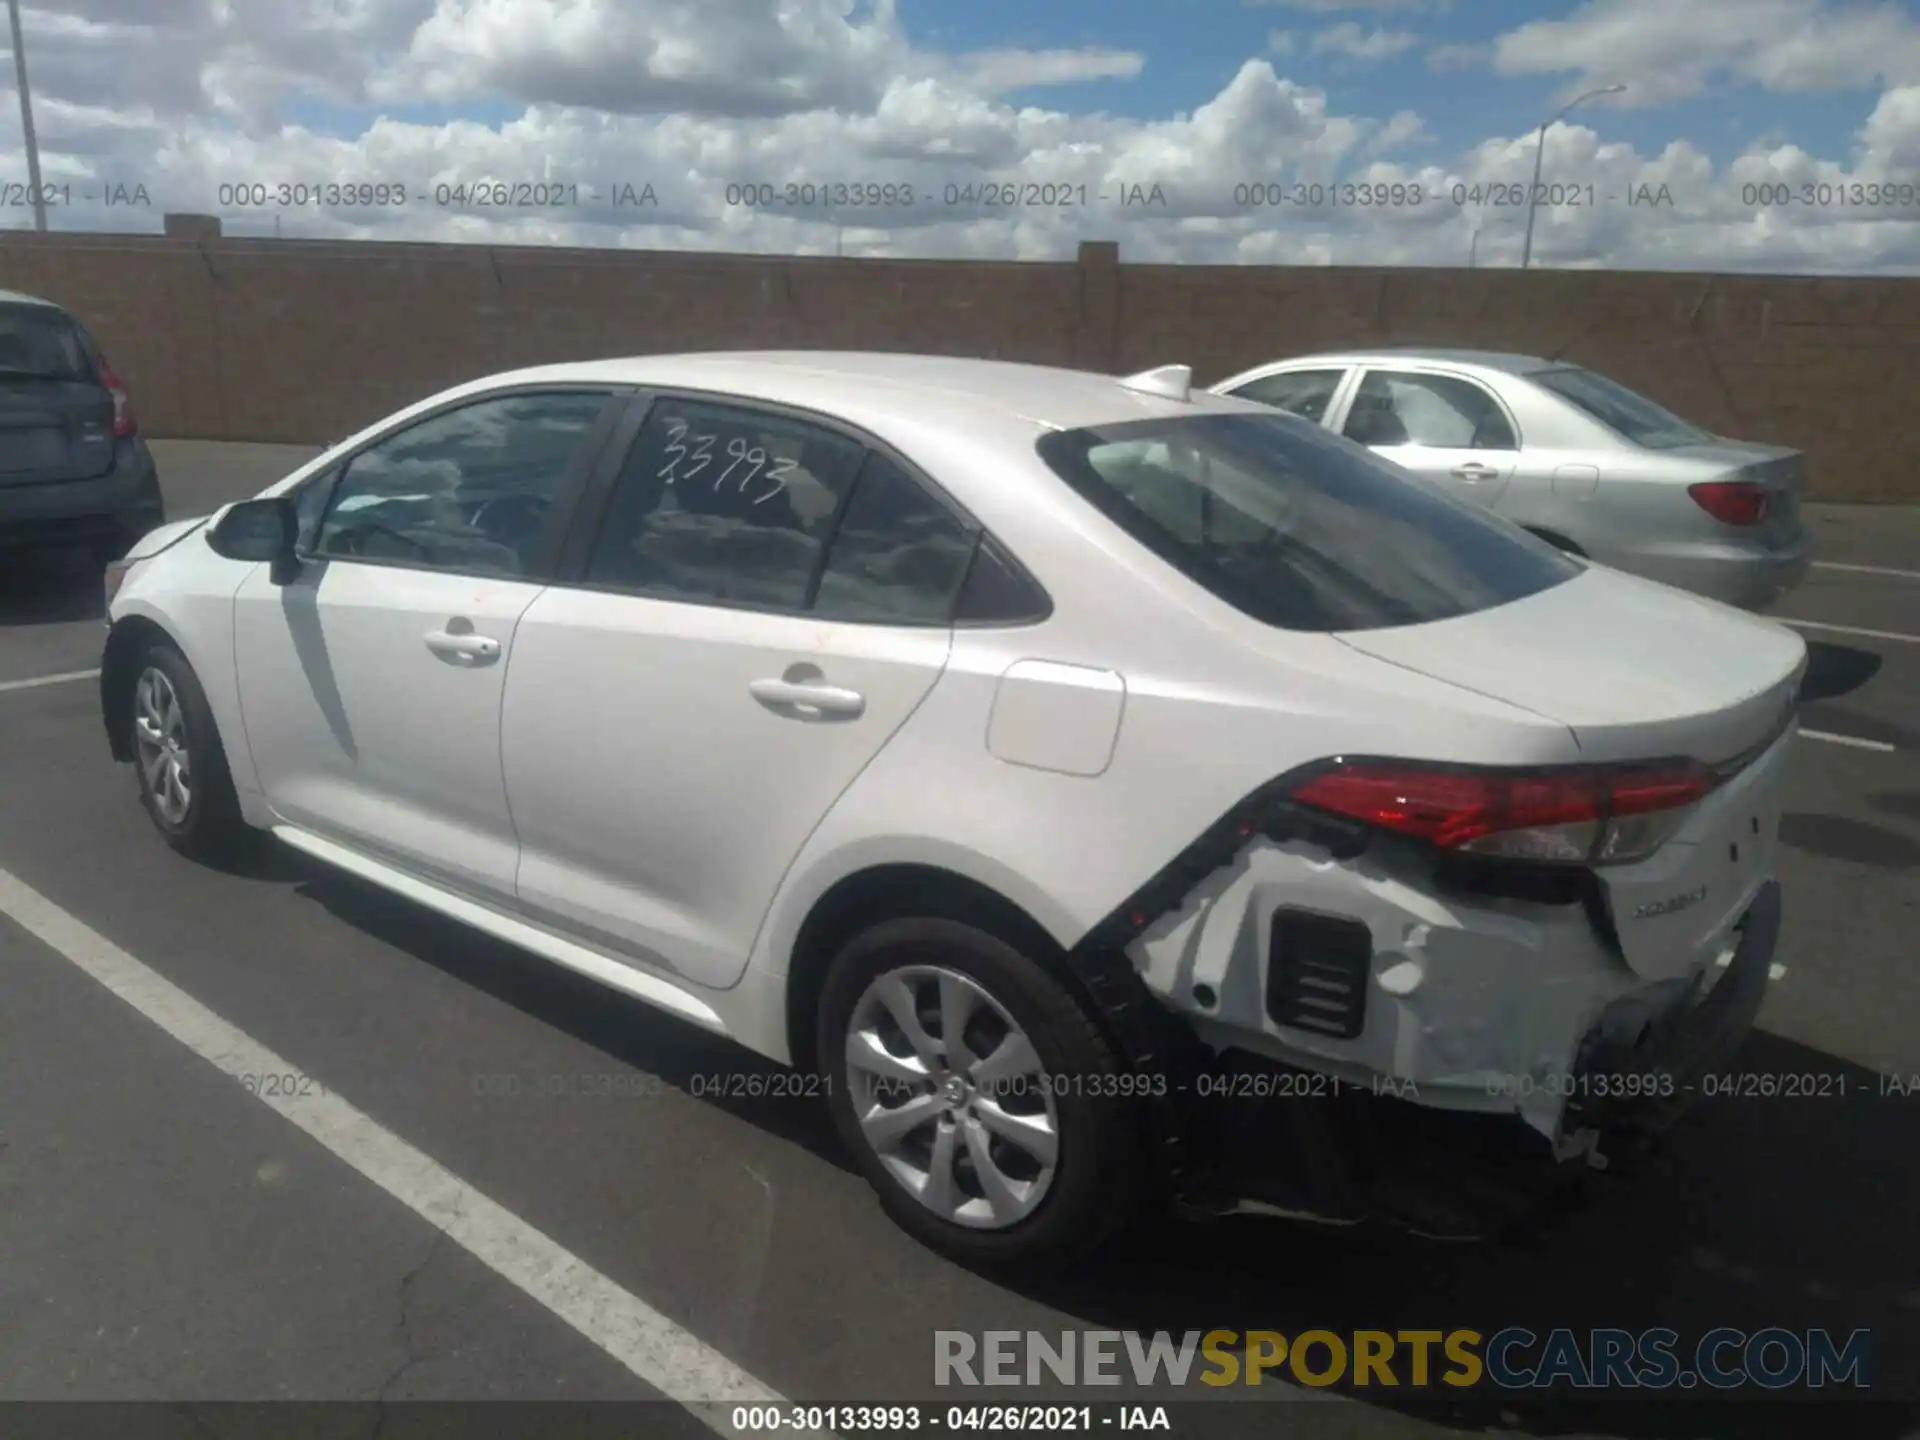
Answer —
(1638, 671)
(53, 430)
(1635, 669)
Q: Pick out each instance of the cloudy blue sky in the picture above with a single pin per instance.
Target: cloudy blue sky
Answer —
(1758, 134)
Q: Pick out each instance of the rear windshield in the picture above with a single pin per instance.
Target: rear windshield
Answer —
(39, 341)
(1621, 410)
(1297, 527)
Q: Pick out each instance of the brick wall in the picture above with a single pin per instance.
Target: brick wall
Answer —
(305, 341)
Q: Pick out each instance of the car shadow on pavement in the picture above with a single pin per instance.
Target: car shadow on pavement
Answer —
(1836, 670)
(50, 587)
(1772, 1210)
(1903, 803)
(626, 1030)
(1858, 842)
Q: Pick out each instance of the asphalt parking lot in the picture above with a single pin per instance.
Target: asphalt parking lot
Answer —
(166, 1235)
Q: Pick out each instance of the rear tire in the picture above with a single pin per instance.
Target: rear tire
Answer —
(966, 1172)
(185, 784)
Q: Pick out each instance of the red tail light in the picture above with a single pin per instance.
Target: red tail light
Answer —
(1582, 815)
(1732, 502)
(123, 422)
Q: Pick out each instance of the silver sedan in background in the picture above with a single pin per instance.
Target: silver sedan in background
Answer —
(1580, 460)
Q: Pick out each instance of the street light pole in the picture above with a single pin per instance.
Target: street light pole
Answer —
(26, 119)
(1540, 154)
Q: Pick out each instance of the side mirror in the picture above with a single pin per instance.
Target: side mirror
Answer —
(260, 530)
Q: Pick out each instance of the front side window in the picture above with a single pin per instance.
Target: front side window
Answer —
(471, 489)
(1625, 412)
(1442, 412)
(724, 504)
(1305, 393)
(1298, 528)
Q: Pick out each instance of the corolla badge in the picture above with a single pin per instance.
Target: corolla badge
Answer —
(1669, 905)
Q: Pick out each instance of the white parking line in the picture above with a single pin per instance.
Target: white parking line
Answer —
(39, 680)
(1847, 629)
(1853, 740)
(1866, 569)
(649, 1344)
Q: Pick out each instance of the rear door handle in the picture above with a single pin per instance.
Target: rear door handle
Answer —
(1474, 470)
(467, 646)
(826, 699)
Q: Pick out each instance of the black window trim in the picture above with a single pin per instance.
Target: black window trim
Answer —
(544, 559)
(1442, 372)
(596, 504)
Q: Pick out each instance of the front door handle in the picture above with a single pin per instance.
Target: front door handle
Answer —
(463, 646)
(795, 695)
(1474, 470)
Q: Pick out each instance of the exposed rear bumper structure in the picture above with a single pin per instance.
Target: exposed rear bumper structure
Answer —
(1268, 1137)
(1641, 1088)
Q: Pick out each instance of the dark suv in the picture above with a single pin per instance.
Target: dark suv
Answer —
(73, 468)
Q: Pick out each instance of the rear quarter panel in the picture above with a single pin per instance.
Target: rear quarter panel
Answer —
(1215, 705)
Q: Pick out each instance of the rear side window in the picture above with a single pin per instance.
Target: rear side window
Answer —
(898, 556)
(1298, 528)
(40, 342)
(723, 504)
(1305, 393)
(1625, 412)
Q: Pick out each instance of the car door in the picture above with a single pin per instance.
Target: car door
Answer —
(1312, 393)
(1447, 429)
(370, 685)
(764, 603)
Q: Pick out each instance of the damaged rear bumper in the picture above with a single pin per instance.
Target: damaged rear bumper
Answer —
(1462, 1065)
(1640, 1085)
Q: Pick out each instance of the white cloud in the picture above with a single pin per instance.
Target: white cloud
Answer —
(1356, 42)
(1666, 51)
(743, 58)
(608, 99)
(1339, 7)
(994, 72)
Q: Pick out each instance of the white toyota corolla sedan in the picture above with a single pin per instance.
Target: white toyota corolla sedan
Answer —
(1102, 791)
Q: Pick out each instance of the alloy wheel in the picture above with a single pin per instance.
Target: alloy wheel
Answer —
(952, 1097)
(160, 738)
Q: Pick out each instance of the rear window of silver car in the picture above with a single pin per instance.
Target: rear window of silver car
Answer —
(1625, 412)
(1297, 527)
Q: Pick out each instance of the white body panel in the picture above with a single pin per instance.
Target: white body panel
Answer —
(364, 734)
(659, 802)
(613, 792)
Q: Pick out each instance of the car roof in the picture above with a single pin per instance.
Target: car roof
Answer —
(893, 394)
(1501, 360)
